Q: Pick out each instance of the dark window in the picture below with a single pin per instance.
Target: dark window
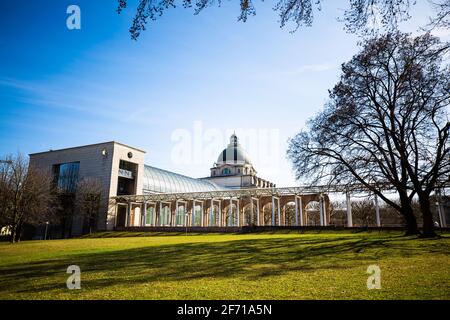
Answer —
(65, 176)
(125, 186)
(127, 165)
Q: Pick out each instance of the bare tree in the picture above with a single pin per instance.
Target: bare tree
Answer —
(363, 212)
(386, 123)
(442, 17)
(88, 198)
(361, 15)
(25, 195)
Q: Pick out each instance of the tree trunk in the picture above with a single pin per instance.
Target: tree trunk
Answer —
(18, 232)
(428, 223)
(13, 233)
(408, 214)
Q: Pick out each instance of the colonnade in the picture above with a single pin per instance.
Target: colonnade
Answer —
(232, 209)
(222, 212)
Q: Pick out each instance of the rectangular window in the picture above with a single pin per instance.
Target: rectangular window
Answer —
(65, 176)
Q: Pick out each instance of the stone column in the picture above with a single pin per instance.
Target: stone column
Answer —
(278, 209)
(202, 216)
(252, 211)
(211, 214)
(127, 217)
(440, 211)
(186, 215)
(154, 215)
(258, 218)
(349, 210)
(171, 222)
(220, 213)
(273, 211)
(377, 212)
(192, 213)
(301, 210)
(321, 211)
(261, 212)
(230, 219)
(176, 214)
(144, 215)
(160, 213)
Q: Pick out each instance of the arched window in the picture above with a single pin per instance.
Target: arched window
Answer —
(180, 215)
(164, 216)
(197, 216)
(226, 171)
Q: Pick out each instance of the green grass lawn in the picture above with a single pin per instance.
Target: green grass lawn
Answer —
(230, 266)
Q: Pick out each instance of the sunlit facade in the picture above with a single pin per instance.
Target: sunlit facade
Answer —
(121, 171)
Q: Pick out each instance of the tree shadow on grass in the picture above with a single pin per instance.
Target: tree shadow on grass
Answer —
(248, 259)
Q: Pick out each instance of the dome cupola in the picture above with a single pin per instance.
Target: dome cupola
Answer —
(234, 153)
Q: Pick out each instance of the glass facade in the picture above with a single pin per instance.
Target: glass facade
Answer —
(197, 218)
(65, 176)
(180, 216)
(164, 216)
(214, 216)
(158, 180)
(149, 215)
(232, 221)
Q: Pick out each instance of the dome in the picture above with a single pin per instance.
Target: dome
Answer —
(234, 153)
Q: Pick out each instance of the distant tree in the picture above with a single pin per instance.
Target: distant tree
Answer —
(363, 212)
(338, 213)
(88, 198)
(290, 214)
(25, 195)
(362, 15)
(386, 123)
(4, 192)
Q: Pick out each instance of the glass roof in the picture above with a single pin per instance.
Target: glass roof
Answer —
(159, 180)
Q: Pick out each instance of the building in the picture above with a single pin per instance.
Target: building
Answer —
(136, 195)
(121, 171)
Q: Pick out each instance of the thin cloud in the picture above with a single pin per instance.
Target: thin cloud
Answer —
(303, 69)
(314, 68)
(59, 97)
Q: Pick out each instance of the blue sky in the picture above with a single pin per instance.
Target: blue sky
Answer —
(186, 84)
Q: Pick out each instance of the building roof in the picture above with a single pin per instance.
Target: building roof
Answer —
(90, 145)
(159, 180)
